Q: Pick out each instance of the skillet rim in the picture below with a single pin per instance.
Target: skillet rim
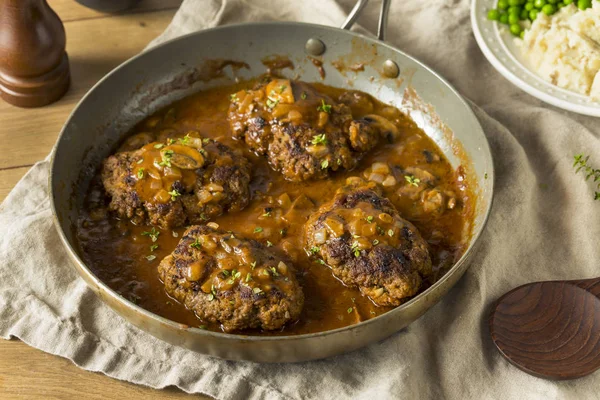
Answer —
(283, 338)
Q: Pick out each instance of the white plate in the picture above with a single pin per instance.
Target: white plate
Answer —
(498, 45)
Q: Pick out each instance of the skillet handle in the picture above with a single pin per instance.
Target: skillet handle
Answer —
(383, 17)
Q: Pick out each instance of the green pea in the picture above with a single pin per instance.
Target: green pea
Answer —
(515, 29)
(567, 2)
(524, 15)
(513, 19)
(532, 14)
(548, 9)
(560, 5)
(514, 10)
(513, 2)
(502, 4)
(539, 4)
(552, 1)
(584, 4)
(493, 15)
(529, 6)
(522, 35)
(503, 19)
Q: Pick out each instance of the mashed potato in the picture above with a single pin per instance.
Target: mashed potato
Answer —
(564, 49)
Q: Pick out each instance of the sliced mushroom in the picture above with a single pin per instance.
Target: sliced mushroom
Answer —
(386, 126)
(185, 157)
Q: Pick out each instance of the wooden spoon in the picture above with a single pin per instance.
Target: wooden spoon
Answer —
(550, 329)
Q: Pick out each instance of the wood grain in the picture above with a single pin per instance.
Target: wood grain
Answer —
(69, 10)
(27, 373)
(95, 47)
(550, 329)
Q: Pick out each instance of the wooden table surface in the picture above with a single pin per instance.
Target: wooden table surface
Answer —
(96, 43)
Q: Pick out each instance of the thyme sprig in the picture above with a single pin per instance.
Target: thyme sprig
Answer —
(581, 164)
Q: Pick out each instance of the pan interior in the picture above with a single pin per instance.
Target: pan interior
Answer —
(186, 65)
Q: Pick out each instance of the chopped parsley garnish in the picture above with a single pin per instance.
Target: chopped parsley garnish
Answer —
(211, 297)
(236, 274)
(282, 232)
(282, 88)
(369, 219)
(319, 139)
(258, 229)
(375, 242)
(324, 164)
(206, 140)
(248, 277)
(196, 244)
(153, 234)
(274, 271)
(339, 161)
(267, 214)
(233, 97)
(264, 272)
(141, 160)
(159, 146)
(185, 140)
(390, 232)
(303, 96)
(174, 194)
(324, 107)
(321, 262)
(151, 257)
(315, 249)
(225, 272)
(253, 265)
(349, 310)
(170, 141)
(175, 234)
(269, 244)
(256, 290)
(153, 247)
(166, 158)
(412, 180)
(380, 230)
(140, 173)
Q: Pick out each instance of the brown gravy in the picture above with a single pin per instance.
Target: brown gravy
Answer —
(126, 256)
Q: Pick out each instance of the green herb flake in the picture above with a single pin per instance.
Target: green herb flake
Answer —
(283, 232)
(153, 247)
(140, 173)
(319, 139)
(303, 96)
(350, 310)
(170, 141)
(256, 290)
(321, 262)
(271, 102)
(324, 107)
(225, 272)
(151, 257)
(282, 88)
(412, 180)
(185, 140)
(141, 160)
(153, 234)
(258, 229)
(375, 242)
(206, 140)
(315, 249)
(174, 194)
(211, 297)
(369, 219)
(233, 97)
(236, 274)
(274, 271)
(269, 244)
(159, 146)
(197, 244)
(267, 214)
(390, 233)
(355, 249)
(253, 265)
(324, 164)
(248, 277)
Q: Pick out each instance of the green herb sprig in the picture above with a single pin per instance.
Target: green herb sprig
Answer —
(581, 164)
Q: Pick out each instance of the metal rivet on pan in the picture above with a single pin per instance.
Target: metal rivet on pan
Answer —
(315, 47)
(390, 69)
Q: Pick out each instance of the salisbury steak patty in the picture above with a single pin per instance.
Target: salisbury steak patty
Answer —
(236, 282)
(304, 133)
(191, 180)
(363, 239)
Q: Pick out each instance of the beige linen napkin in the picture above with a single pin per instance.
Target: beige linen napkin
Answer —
(544, 225)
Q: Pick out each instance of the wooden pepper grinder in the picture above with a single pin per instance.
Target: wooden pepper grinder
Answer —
(34, 67)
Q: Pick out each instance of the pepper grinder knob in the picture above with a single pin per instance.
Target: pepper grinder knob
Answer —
(34, 67)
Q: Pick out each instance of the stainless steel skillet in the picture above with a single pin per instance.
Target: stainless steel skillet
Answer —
(175, 69)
